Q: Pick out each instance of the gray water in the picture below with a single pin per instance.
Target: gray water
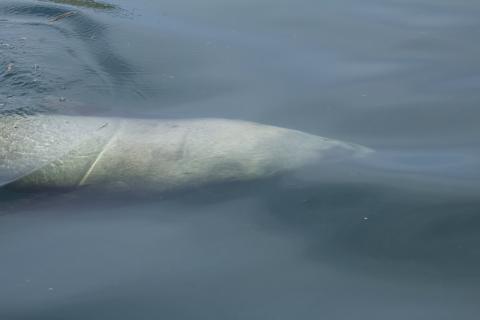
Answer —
(394, 237)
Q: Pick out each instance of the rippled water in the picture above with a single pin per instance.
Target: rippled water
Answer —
(393, 237)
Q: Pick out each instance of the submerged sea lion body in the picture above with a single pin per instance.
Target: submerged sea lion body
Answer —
(55, 151)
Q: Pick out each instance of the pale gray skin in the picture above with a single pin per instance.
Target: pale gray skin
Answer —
(54, 151)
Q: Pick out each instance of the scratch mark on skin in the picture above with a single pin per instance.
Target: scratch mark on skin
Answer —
(103, 126)
(62, 16)
(97, 159)
(182, 147)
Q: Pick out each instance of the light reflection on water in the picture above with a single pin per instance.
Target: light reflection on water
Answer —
(395, 237)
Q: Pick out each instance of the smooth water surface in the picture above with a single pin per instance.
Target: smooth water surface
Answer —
(396, 236)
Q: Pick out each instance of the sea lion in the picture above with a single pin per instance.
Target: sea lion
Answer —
(42, 151)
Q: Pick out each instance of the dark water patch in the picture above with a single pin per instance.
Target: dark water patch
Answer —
(369, 226)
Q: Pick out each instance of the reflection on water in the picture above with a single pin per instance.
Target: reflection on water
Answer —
(85, 3)
(393, 237)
